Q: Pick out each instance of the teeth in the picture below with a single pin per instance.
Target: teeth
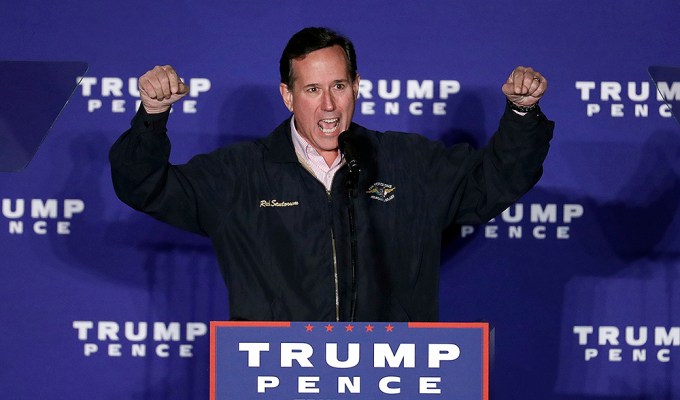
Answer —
(329, 121)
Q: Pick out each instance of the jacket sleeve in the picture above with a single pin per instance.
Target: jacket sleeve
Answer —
(477, 185)
(145, 180)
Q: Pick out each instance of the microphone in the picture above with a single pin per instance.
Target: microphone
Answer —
(347, 143)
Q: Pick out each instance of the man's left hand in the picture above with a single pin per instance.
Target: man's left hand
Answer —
(525, 86)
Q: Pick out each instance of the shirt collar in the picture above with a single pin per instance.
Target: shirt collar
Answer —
(305, 150)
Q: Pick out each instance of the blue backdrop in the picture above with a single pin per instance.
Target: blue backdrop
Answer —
(581, 279)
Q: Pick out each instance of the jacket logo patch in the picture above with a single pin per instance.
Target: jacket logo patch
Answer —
(277, 203)
(381, 191)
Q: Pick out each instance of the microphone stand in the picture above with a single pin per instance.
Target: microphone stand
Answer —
(347, 145)
(351, 183)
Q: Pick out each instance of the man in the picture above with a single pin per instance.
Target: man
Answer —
(290, 241)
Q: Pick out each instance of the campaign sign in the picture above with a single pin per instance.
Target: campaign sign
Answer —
(368, 360)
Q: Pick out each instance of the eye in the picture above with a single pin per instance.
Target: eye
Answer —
(312, 90)
(340, 86)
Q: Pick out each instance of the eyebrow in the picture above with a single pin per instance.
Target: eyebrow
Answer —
(333, 83)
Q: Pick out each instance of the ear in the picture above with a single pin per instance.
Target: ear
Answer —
(355, 86)
(287, 96)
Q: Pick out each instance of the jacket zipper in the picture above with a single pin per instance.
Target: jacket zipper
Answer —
(335, 280)
(335, 267)
(336, 283)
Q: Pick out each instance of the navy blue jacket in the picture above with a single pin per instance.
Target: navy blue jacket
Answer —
(282, 240)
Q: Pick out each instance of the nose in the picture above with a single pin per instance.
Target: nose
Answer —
(328, 102)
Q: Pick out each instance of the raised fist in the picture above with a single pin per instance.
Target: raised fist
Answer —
(160, 87)
(525, 86)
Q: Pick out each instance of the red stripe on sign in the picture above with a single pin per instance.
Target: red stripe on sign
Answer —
(213, 360)
(457, 325)
(251, 324)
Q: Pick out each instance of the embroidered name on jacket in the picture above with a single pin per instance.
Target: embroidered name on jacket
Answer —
(276, 203)
(381, 191)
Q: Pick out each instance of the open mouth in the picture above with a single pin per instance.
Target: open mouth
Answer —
(329, 125)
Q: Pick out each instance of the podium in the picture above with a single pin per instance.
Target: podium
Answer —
(343, 360)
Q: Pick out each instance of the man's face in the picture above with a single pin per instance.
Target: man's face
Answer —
(322, 98)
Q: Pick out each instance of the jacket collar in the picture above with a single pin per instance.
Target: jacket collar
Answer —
(280, 145)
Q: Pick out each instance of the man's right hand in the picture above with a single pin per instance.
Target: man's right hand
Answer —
(160, 88)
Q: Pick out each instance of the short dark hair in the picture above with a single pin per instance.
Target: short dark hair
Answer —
(311, 39)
